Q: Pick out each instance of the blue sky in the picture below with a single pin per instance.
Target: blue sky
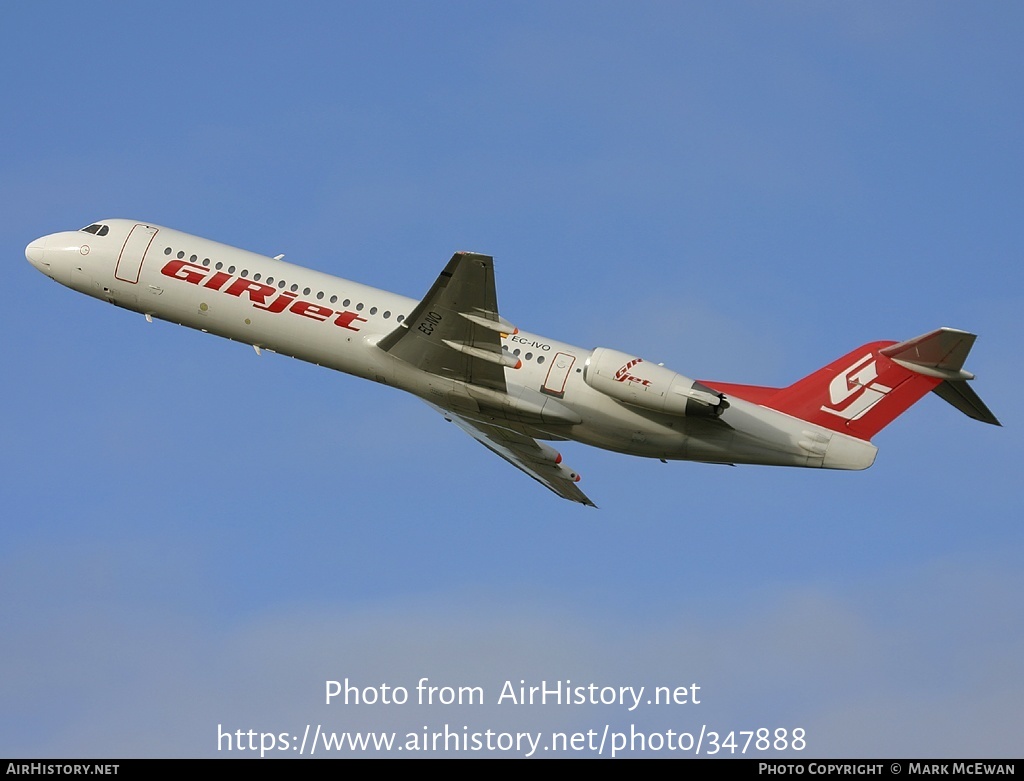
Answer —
(195, 536)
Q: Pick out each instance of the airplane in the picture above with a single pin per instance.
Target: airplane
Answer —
(513, 391)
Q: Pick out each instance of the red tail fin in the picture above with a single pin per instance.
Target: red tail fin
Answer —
(865, 390)
(859, 394)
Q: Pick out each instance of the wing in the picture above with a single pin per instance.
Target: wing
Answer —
(541, 462)
(455, 331)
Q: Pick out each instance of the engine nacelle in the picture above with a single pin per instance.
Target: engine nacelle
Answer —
(647, 385)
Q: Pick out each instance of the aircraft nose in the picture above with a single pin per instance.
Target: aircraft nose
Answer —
(36, 251)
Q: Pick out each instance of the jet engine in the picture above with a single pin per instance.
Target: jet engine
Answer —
(639, 383)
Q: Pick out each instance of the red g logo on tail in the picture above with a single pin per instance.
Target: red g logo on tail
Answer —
(854, 391)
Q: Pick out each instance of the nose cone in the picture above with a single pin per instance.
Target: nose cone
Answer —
(36, 252)
(57, 254)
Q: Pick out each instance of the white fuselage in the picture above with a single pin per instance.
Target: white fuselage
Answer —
(333, 322)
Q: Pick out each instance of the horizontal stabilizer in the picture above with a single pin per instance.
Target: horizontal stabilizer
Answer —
(962, 396)
(940, 353)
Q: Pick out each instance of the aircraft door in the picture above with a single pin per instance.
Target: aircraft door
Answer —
(558, 374)
(133, 253)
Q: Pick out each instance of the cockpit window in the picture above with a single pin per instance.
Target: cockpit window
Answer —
(99, 230)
